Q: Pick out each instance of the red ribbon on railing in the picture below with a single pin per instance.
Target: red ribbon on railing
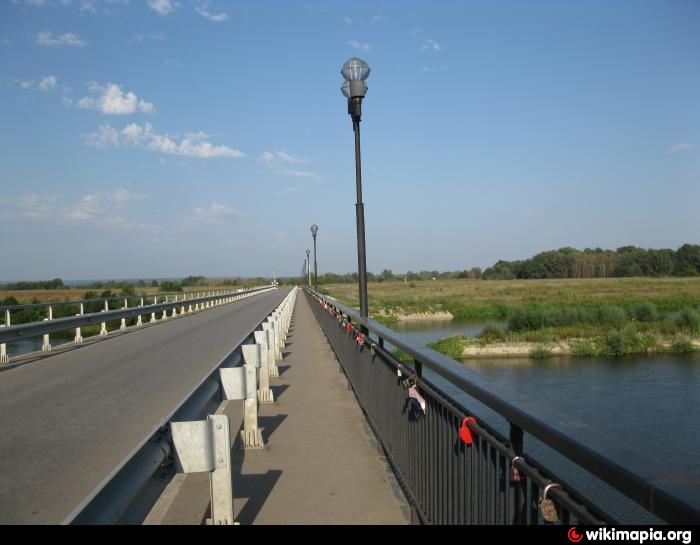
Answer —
(360, 339)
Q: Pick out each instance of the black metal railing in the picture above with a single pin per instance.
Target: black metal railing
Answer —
(490, 480)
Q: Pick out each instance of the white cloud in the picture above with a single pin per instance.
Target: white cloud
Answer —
(219, 18)
(88, 6)
(95, 205)
(162, 7)
(138, 38)
(376, 18)
(24, 85)
(362, 46)
(67, 101)
(192, 144)
(47, 83)
(432, 45)
(67, 39)
(282, 156)
(114, 101)
(277, 162)
(30, 206)
(215, 212)
(679, 148)
(347, 20)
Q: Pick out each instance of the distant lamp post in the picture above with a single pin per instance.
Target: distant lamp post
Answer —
(308, 267)
(356, 71)
(314, 230)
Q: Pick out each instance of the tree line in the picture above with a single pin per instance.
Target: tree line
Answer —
(598, 263)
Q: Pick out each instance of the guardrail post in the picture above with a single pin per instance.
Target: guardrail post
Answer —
(165, 314)
(123, 322)
(103, 325)
(262, 341)
(271, 348)
(4, 358)
(153, 314)
(205, 445)
(175, 309)
(139, 321)
(78, 334)
(246, 381)
(46, 347)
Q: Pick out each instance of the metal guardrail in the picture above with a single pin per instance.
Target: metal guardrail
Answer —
(491, 481)
(124, 489)
(22, 331)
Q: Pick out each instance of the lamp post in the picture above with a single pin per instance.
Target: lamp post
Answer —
(308, 267)
(356, 71)
(314, 230)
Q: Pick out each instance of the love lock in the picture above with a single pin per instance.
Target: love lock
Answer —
(514, 473)
(548, 509)
(465, 434)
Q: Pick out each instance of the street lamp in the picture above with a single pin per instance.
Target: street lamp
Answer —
(314, 230)
(356, 71)
(308, 267)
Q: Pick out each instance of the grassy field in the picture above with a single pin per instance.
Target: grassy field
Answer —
(493, 299)
(585, 317)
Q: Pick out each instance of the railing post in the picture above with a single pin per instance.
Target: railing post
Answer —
(206, 446)
(264, 392)
(123, 323)
(175, 309)
(165, 313)
(251, 434)
(153, 314)
(4, 358)
(518, 489)
(103, 328)
(46, 347)
(139, 321)
(78, 334)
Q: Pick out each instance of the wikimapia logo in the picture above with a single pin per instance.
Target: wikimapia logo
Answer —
(637, 536)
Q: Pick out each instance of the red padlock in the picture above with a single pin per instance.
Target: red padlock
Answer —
(465, 434)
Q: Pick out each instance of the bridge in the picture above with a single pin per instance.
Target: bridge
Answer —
(275, 405)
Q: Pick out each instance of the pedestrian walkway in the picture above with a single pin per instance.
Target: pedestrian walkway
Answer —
(321, 464)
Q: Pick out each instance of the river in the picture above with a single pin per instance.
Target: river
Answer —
(650, 403)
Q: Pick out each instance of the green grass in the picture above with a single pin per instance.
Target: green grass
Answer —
(540, 351)
(452, 347)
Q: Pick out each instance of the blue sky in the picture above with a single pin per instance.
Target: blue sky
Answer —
(167, 138)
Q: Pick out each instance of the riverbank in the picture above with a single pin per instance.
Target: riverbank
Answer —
(461, 347)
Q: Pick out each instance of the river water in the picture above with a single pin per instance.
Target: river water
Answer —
(649, 403)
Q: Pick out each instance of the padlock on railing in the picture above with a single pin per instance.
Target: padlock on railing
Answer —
(465, 434)
(514, 472)
(547, 507)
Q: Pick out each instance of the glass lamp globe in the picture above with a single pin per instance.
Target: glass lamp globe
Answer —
(355, 70)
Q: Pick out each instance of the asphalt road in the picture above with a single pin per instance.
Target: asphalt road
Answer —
(68, 420)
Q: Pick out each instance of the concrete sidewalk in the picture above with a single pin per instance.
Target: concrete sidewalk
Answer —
(321, 464)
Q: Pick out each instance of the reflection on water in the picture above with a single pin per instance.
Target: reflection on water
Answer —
(649, 403)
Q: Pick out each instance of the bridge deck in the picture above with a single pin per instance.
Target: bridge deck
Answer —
(320, 465)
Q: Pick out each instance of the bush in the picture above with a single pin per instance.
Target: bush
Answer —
(452, 346)
(622, 341)
(492, 332)
(540, 351)
(168, 286)
(585, 347)
(688, 320)
(681, 345)
(644, 312)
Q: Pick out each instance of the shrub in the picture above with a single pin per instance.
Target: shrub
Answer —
(644, 312)
(688, 320)
(452, 346)
(492, 332)
(584, 347)
(681, 345)
(540, 351)
(622, 341)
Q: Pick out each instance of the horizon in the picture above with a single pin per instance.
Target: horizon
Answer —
(166, 138)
